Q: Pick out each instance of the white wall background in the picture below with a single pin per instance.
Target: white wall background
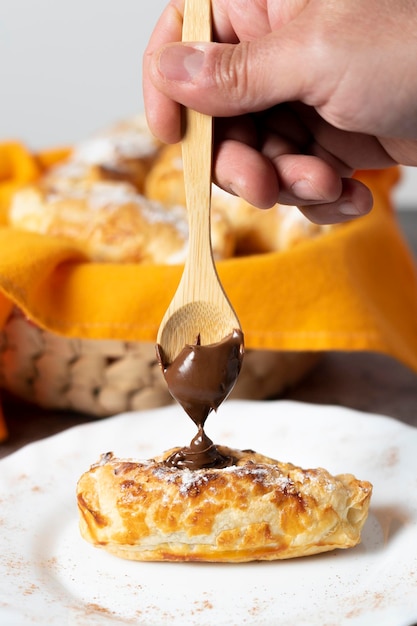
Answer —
(69, 68)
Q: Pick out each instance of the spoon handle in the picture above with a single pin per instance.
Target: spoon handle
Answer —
(197, 149)
(200, 307)
(197, 21)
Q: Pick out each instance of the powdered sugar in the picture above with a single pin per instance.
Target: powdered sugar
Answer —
(130, 140)
(69, 170)
(102, 195)
(189, 480)
(108, 150)
(111, 196)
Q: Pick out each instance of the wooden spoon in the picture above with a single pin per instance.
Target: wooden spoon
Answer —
(199, 308)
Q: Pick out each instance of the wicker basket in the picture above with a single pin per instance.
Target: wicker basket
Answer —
(104, 377)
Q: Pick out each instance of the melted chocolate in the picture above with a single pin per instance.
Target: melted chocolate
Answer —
(200, 453)
(200, 378)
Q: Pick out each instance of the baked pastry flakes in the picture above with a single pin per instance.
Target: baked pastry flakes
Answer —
(255, 509)
(68, 201)
(113, 222)
(124, 152)
(94, 198)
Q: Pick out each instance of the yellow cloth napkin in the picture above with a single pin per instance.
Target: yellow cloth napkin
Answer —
(354, 288)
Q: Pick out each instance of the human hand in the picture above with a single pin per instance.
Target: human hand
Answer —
(304, 92)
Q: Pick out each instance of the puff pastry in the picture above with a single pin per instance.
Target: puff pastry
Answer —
(113, 221)
(64, 204)
(255, 509)
(123, 152)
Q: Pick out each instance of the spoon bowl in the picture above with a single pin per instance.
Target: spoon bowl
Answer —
(195, 322)
(200, 310)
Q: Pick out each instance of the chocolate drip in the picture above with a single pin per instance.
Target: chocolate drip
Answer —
(200, 453)
(200, 379)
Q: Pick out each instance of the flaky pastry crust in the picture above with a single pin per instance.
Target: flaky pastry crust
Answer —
(82, 198)
(112, 221)
(257, 509)
(123, 152)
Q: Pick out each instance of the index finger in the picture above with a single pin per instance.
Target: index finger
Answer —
(162, 113)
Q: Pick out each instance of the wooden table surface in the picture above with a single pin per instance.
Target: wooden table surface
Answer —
(367, 382)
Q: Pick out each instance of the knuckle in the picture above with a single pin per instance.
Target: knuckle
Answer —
(232, 72)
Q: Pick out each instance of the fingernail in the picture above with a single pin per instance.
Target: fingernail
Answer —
(181, 63)
(347, 208)
(305, 191)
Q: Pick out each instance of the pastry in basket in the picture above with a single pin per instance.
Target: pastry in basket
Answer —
(94, 199)
(123, 152)
(251, 507)
(113, 221)
(256, 231)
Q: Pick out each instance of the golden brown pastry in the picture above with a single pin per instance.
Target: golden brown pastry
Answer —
(127, 156)
(93, 198)
(165, 181)
(255, 509)
(112, 221)
(123, 152)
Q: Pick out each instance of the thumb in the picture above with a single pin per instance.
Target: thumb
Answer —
(232, 79)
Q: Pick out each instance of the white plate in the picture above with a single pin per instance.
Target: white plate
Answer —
(49, 575)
